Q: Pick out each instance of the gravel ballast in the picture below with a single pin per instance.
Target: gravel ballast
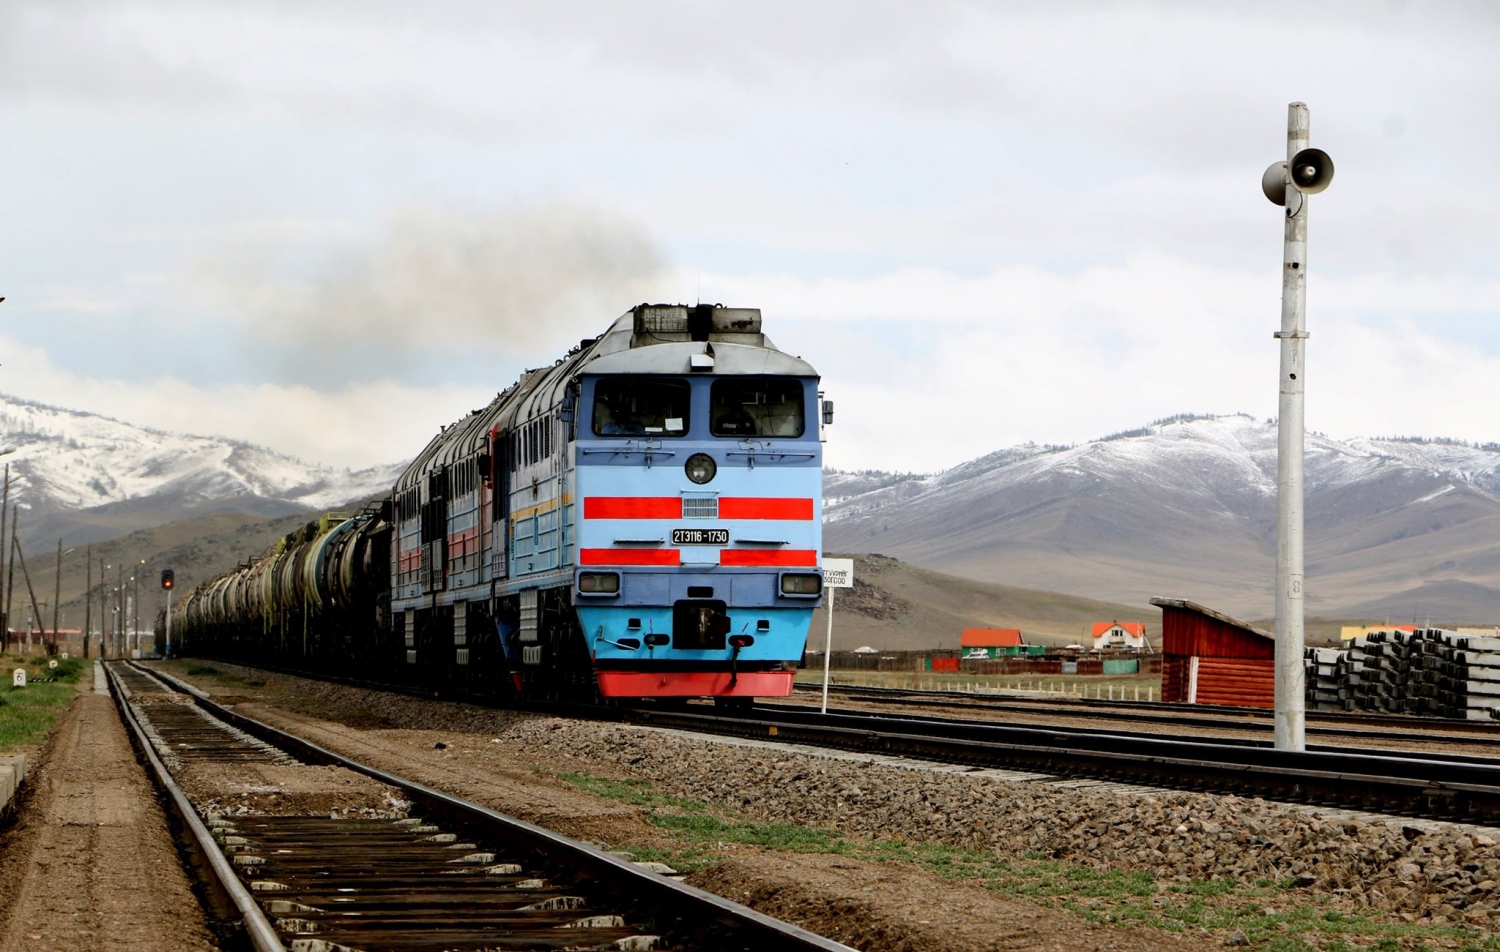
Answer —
(1430, 872)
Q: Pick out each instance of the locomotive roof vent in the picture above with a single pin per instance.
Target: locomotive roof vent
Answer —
(661, 323)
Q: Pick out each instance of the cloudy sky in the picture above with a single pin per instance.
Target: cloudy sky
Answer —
(331, 227)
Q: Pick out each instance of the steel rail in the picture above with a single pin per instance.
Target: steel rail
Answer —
(1386, 782)
(228, 896)
(1410, 726)
(630, 885)
(1392, 782)
(1258, 742)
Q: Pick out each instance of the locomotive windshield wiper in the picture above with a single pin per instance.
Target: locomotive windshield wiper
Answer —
(650, 450)
(750, 449)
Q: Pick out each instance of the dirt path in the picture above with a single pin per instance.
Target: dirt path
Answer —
(90, 864)
(863, 904)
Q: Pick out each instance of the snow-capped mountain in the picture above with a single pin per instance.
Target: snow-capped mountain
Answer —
(1187, 507)
(81, 470)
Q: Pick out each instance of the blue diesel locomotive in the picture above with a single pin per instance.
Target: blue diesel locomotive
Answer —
(640, 519)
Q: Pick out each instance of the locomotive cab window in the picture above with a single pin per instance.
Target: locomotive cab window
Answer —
(640, 406)
(756, 406)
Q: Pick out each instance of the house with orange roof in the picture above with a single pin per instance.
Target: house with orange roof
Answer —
(1115, 635)
(991, 642)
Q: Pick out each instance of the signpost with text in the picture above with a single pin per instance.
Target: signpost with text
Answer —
(837, 573)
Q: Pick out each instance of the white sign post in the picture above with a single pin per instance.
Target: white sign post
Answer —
(18, 678)
(837, 573)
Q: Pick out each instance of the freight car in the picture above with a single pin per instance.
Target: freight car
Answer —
(640, 519)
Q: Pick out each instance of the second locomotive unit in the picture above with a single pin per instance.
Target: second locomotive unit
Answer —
(640, 519)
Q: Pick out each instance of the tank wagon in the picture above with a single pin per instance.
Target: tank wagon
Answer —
(640, 519)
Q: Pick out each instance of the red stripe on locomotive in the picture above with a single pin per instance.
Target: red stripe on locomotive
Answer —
(761, 557)
(629, 557)
(632, 507)
(765, 508)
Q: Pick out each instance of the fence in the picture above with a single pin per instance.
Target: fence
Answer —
(952, 661)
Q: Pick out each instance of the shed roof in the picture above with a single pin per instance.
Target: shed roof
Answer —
(1137, 628)
(1210, 613)
(991, 638)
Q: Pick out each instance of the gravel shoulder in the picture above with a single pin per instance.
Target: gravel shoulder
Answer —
(885, 856)
(90, 863)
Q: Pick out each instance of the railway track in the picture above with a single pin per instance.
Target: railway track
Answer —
(447, 875)
(1442, 786)
(1390, 782)
(1373, 727)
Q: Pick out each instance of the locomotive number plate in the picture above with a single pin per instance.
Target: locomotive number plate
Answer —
(700, 536)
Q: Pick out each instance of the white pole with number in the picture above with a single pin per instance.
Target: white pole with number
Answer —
(837, 573)
(828, 652)
(1305, 172)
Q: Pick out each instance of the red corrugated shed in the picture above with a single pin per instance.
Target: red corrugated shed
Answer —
(991, 638)
(1234, 661)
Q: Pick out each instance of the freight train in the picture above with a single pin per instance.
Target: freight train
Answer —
(640, 519)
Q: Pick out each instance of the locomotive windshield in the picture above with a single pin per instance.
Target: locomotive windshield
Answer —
(640, 406)
(756, 406)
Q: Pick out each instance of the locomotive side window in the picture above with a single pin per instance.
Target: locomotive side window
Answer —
(640, 406)
(756, 406)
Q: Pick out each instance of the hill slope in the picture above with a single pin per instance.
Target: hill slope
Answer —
(83, 476)
(196, 549)
(899, 607)
(1188, 507)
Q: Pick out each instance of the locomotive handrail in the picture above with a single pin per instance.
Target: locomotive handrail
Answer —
(616, 451)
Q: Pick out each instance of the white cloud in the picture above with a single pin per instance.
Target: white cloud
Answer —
(357, 425)
(931, 368)
(985, 223)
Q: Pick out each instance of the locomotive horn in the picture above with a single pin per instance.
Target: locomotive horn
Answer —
(1311, 172)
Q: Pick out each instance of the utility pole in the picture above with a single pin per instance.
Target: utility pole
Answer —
(1305, 172)
(35, 610)
(4, 612)
(103, 610)
(120, 610)
(88, 596)
(10, 572)
(57, 592)
(137, 626)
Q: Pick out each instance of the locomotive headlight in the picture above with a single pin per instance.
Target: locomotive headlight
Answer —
(701, 468)
(599, 583)
(806, 584)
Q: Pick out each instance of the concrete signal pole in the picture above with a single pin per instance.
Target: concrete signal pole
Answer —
(1305, 172)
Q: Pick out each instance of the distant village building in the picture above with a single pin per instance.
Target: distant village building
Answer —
(991, 642)
(1130, 635)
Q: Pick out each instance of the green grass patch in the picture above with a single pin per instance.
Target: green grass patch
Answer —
(28, 713)
(637, 793)
(777, 836)
(203, 669)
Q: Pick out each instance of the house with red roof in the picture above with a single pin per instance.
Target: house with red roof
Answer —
(1115, 635)
(991, 642)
